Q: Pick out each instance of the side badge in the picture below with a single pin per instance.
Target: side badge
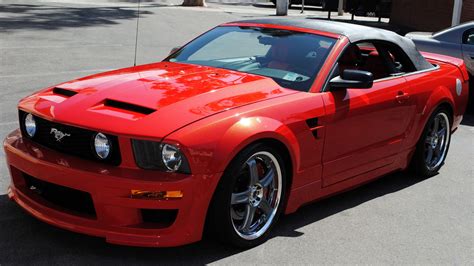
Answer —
(458, 87)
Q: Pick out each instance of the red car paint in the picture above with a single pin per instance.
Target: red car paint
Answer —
(212, 114)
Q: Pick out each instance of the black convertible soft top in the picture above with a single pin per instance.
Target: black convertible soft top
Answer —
(355, 33)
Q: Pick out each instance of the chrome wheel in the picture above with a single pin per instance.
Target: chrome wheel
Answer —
(256, 195)
(436, 141)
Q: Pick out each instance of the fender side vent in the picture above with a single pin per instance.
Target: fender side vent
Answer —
(313, 126)
(129, 107)
(312, 122)
(64, 92)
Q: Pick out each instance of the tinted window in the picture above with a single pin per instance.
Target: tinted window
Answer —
(292, 59)
(468, 37)
(382, 59)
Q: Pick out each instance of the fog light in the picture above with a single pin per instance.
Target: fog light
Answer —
(159, 195)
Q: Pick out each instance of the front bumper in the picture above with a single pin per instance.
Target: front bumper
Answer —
(118, 217)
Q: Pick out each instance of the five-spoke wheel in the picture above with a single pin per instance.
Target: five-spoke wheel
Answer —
(436, 141)
(433, 145)
(256, 195)
(249, 197)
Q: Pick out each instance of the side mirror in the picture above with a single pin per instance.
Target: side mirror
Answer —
(352, 78)
(174, 50)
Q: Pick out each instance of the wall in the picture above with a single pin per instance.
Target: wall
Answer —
(432, 15)
(467, 13)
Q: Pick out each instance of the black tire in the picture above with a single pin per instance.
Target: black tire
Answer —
(419, 163)
(219, 221)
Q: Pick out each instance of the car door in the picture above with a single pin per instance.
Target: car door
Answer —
(468, 49)
(365, 128)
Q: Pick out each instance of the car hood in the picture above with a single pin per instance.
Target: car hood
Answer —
(150, 100)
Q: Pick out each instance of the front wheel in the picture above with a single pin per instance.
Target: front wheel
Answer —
(433, 145)
(249, 197)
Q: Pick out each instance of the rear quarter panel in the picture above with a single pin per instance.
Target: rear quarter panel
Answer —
(435, 87)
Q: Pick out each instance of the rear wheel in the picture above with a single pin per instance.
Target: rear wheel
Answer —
(433, 145)
(248, 199)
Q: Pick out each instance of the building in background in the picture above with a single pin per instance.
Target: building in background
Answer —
(432, 15)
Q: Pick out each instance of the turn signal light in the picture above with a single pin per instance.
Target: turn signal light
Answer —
(159, 195)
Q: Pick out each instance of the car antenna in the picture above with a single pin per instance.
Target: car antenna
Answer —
(136, 34)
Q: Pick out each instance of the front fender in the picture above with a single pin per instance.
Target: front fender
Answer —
(250, 129)
(211, 146)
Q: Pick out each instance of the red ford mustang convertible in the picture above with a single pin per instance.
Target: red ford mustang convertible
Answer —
(250, 120)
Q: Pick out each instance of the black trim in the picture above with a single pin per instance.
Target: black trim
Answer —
(78, 202)
(64, 92)
(129, 107)
(80, 142)
(148, 156)
(163, 218)
(312, 122)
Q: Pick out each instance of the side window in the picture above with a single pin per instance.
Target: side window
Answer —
(364, 56)
(468, 37)
(399, 62)
(382, 59)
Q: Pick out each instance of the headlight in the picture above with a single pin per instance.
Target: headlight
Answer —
(160, 156)
(30, 125)
(171, 156)
(101, 145)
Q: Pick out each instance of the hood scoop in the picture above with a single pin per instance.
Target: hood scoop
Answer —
(64, 92)
(120, 109)
(128, 107)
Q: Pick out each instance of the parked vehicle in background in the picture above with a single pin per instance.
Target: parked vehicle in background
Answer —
(369, 8)
(362, 8)
(299, 2)
(456, 41)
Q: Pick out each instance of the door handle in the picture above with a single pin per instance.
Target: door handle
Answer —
(402, 96)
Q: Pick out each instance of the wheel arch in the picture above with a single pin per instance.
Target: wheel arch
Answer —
(253, 130)
(288, 164)
(441, 97)
(448, 106)
(284, 152)
(445, 103)
(263, 130)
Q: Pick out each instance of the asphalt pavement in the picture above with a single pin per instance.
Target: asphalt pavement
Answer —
(398, 219)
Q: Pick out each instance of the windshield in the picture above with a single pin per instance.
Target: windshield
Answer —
(292, 59)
